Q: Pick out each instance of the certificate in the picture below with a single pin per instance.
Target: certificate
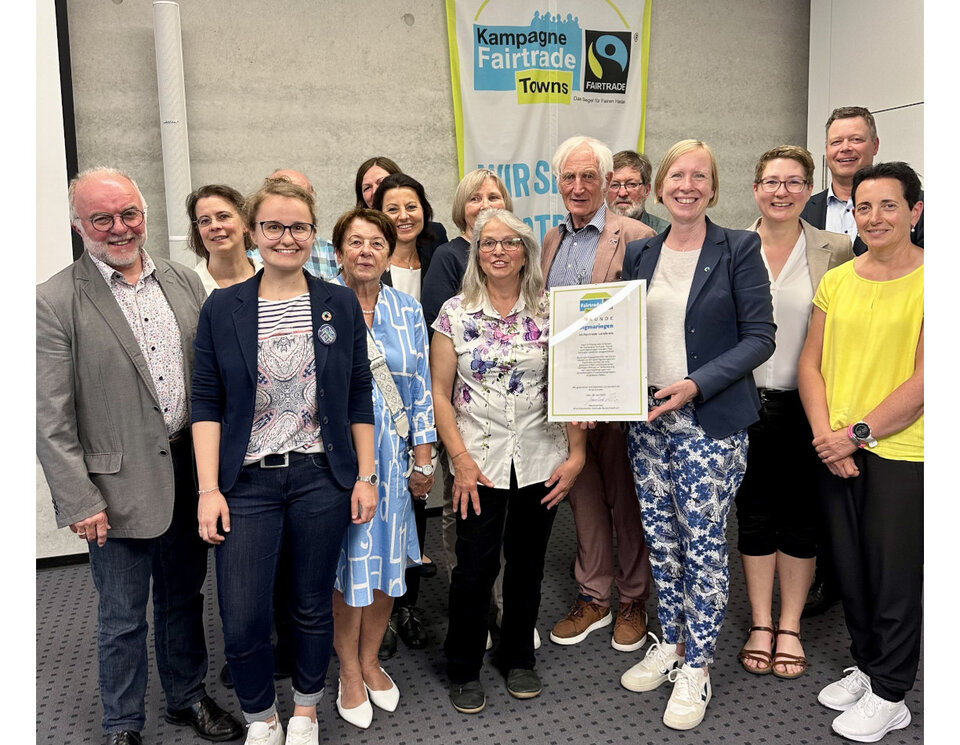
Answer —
(597, 365)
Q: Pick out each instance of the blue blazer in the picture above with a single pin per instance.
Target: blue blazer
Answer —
(729, 322)
(225, 373)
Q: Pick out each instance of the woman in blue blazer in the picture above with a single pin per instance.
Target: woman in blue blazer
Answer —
(283, 433)
(709, 324)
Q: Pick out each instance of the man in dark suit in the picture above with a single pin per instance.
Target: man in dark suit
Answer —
(852, 143)
(588, 247)
(114, 353)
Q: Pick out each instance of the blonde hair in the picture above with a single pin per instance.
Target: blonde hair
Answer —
(670, 157)
(466, 188)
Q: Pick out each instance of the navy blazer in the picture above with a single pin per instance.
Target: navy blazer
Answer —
(225, 373)
(815, 213)
(729, 322)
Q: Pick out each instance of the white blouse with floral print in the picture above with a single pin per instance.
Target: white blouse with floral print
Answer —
(500, 392)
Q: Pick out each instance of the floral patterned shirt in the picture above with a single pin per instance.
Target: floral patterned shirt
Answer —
(500, 391)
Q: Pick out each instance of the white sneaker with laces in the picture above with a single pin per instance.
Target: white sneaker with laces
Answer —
(688, 702)
(871, 718)
(261, 733)
(302, 731)
(844, 693)
(652, 671)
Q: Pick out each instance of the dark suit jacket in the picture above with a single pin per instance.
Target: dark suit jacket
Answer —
(101, 438)
(729, 322)
(225, 373)
(815, 213)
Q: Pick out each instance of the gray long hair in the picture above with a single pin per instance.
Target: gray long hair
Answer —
(531, 276)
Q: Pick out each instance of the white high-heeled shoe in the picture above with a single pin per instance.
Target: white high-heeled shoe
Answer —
(386, 700)
(359, 716)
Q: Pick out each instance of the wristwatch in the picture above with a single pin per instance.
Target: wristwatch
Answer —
(371, 479)
(860, 432)
(426, 470)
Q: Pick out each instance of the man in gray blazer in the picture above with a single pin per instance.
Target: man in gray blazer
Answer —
(588, 247)
(114, 354)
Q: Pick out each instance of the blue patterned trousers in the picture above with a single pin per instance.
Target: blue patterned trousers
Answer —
(686, 482)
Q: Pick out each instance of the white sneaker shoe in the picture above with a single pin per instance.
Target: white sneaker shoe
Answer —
(844, 693)
(302, 731)
(871, 718)
(652, 671)
(688, 702)
(536, 638)
(489, 642)
(261, 733)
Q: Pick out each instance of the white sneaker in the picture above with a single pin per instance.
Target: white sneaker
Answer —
(845, 692)
(489, 642)
(536, 638)
(688, 702)
(871, 718)
(261, 733)
(652, 671)
(302, 731)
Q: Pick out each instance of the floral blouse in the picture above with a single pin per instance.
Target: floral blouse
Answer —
(500, 391)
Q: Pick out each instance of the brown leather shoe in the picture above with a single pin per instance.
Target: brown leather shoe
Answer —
(585, 616)
(630, 630)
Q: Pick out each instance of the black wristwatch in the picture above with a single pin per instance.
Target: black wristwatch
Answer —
(861, 433)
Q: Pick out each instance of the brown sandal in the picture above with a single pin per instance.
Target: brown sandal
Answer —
(763, 658)
(785, 658)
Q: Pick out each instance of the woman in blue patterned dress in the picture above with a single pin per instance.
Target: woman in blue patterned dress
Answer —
(374, 557)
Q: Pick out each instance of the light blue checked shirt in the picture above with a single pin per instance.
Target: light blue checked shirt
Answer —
(573, 263)
(322, 262)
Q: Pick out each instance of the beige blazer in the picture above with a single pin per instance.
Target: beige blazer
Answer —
(825, 250)
(101, 438)
(617, 233)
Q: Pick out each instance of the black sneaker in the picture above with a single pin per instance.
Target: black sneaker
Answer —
(388, 647)
(522, 683)
(468, 698)
(411, 627)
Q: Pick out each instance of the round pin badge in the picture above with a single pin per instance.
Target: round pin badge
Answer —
(326, 315)
(327, 334)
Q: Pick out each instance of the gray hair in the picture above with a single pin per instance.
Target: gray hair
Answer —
(97, 171)
(531, 276)
(600, 151)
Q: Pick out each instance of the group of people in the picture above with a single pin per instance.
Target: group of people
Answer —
(290, 400)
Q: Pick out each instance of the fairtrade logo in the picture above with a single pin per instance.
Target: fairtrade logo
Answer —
(608, 61)
(591, 300)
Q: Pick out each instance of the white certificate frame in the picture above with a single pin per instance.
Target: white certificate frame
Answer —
(597, 367)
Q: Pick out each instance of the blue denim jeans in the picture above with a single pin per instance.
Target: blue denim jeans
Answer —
(122, 568)
(302, 508)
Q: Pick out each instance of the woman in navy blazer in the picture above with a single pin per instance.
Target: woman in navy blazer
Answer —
(283, 433)
(709, 324)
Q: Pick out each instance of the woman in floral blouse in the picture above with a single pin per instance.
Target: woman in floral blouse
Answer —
(511, 467)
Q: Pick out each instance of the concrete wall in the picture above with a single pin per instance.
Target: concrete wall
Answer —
(321, 86)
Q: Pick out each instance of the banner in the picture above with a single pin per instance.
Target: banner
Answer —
(528, 74)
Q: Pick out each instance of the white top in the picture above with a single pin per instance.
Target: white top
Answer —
(500, 391)
(840, 217)
(209, 283)
(666, 311)
(792, 295)
(406, 280)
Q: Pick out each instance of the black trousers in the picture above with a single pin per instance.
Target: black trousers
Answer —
(411, 575)
(515, 518)
(875, 522)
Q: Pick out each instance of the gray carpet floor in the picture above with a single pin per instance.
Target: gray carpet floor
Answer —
(582, 700)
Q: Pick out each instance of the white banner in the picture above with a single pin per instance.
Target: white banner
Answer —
(528, 74)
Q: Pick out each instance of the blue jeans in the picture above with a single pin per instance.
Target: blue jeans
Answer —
(121, 570)
(302, 508)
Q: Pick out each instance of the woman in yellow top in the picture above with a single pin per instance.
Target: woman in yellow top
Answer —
(861, 381)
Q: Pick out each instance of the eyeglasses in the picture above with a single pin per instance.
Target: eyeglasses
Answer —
(103, 222)
(509, 245)
(615, 186)
(587, 177)
(377, 244)
(299, 231)
(794, 185)
(206, 221)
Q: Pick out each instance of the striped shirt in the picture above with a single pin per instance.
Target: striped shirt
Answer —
(285, 411)
(573, 262)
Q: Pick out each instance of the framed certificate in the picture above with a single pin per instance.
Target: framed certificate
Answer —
(597, 364)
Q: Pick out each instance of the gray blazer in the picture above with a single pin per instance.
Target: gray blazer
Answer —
(825, 250)
(101, 438)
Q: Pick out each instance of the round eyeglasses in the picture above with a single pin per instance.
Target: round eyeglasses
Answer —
(131, 217)
(299, 231)
(794, 185)
(508, 244)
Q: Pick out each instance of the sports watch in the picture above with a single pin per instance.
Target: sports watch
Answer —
(860, 433)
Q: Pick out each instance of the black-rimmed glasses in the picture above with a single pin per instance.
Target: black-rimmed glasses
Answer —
(794, 185)
(132, 218)
(299, 231)
(508, 244)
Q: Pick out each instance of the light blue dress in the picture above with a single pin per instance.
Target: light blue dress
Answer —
(374, 556)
